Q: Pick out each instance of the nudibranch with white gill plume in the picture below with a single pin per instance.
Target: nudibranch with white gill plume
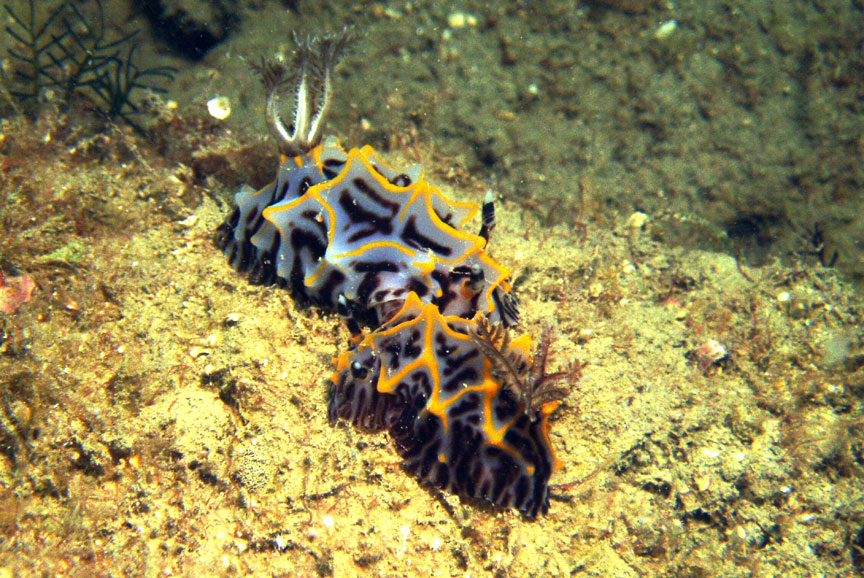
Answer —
(346, 232)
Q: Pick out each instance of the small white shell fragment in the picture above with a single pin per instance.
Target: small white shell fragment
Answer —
(197, 352)
(703, 483)
(188, 221)
(666, 29)
(219, 107)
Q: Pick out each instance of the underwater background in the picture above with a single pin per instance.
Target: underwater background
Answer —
(679, 196)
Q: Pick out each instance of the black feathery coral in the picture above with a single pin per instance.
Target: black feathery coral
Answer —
(70, 52)
(532, 385)
(87, 53)
(34, 55)
(114, 85)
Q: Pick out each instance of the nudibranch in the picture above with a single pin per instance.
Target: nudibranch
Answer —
(457, 422)
(347, 232)
(389, 252)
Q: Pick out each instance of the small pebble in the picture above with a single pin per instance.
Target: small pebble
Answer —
(666, 29)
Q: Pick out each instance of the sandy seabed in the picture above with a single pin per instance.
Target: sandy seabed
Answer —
(159, 416)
